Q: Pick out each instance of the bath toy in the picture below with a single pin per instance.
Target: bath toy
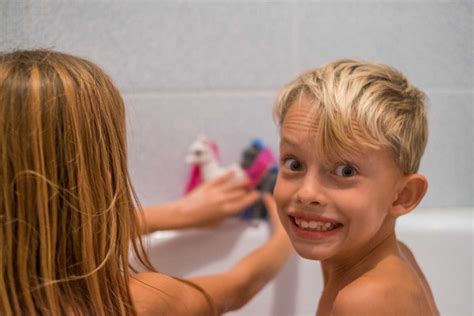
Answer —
(261, 167)
(203, 156)
(257, 163)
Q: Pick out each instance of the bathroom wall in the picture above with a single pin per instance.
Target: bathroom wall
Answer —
(213, 67)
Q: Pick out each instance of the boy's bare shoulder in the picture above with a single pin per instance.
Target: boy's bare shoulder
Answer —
(391, 288)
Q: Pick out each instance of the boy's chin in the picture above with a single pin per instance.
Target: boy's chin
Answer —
(311, 252)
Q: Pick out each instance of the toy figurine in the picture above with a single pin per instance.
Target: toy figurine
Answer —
(257, 163)
(261, 167)
(203, 155)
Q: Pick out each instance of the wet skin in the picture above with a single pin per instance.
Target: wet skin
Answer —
(356, 194)
(342, 213)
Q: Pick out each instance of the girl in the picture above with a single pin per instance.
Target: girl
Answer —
(69, 215)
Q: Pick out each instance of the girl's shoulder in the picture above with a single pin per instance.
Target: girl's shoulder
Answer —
(160, 294)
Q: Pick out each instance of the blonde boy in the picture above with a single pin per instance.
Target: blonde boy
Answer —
(352, 136)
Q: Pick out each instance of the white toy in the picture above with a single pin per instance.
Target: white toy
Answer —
(203, 154)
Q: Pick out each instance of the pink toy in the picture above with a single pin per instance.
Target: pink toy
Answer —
(260, 166)
(257, 163)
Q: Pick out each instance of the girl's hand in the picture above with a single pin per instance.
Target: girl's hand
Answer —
(274, 220)
(278, 231)
(217, 199)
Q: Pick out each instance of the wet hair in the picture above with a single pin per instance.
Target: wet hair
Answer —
(361, 103)
(68, 212)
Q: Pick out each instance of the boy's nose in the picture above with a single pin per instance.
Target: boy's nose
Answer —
(310, 192)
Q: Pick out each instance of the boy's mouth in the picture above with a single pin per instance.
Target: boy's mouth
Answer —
(315, 225)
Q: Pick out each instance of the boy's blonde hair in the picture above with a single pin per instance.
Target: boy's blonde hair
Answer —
(357, 102)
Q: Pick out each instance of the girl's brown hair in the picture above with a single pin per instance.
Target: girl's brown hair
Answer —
(68, 212)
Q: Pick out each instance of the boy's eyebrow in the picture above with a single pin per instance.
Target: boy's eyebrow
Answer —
(284, 140)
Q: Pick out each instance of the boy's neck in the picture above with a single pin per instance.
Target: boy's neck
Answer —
(340, 272)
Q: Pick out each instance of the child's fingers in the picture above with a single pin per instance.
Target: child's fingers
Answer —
(235, 195)
(270, 204)
(242, 200)
(250, 198)
(228, 175)
(237, 184)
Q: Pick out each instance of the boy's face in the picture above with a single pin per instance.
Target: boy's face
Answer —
(337, 210)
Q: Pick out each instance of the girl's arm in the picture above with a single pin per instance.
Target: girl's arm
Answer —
(209, 203)
(233, 289)
(158, 293)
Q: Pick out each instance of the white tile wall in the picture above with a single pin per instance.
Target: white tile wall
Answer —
(429, 41)
(189, 67)
(174, 45)
(14, 24)
(162, 127)
(448, 159)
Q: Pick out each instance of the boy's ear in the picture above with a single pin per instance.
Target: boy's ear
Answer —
(413, 189)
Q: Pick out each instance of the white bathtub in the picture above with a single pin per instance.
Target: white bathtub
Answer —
(442, 241)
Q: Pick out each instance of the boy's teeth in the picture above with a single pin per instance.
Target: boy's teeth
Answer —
(314, 225)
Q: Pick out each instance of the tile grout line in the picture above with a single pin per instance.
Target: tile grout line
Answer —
(197, 93)
(264, 93)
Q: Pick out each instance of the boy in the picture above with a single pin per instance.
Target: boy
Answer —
(352, 136)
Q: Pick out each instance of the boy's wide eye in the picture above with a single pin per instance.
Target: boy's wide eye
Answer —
(346, 171)
(292, 164)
